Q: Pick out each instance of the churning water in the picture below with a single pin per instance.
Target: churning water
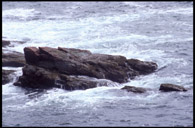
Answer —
(161, 32)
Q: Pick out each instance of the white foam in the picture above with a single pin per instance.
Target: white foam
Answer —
(65, 32)
(77, 98)
(12, 68)
(88, 33)
(20, 13)
(136, 4)
(186, 11)
(9, 88)
(179, 62)
(153, 81)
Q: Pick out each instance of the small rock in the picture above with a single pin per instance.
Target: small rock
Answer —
(134, 89)
(14, 59)
(171, 87)
(5, 43)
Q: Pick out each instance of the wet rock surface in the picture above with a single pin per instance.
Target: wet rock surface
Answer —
(53, 67)
(14, 59)
(134, 89)
(143, 67)
(36, 77)
(166, 87)
(82, 62)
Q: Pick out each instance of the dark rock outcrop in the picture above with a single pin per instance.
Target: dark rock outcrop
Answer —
(143, 67)
(61, 67)
(36, 77)
(171, 87)
(14, 59)
(71, 61)
(134, 89)
(5, 76)
(5, 43)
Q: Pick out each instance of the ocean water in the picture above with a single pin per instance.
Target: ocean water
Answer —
(161, 32)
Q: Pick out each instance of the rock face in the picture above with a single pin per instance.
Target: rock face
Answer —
(49, 67)
(134, 89)
(5, 76)
(82, 62)
(14, 59)
(36, 77)
(143, 67)
(171, 87)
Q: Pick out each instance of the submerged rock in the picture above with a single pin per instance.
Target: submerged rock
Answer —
(5, 76)
(8, 42)
(5, 43)
(134, 89)
(171, 87)
(14, 59)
